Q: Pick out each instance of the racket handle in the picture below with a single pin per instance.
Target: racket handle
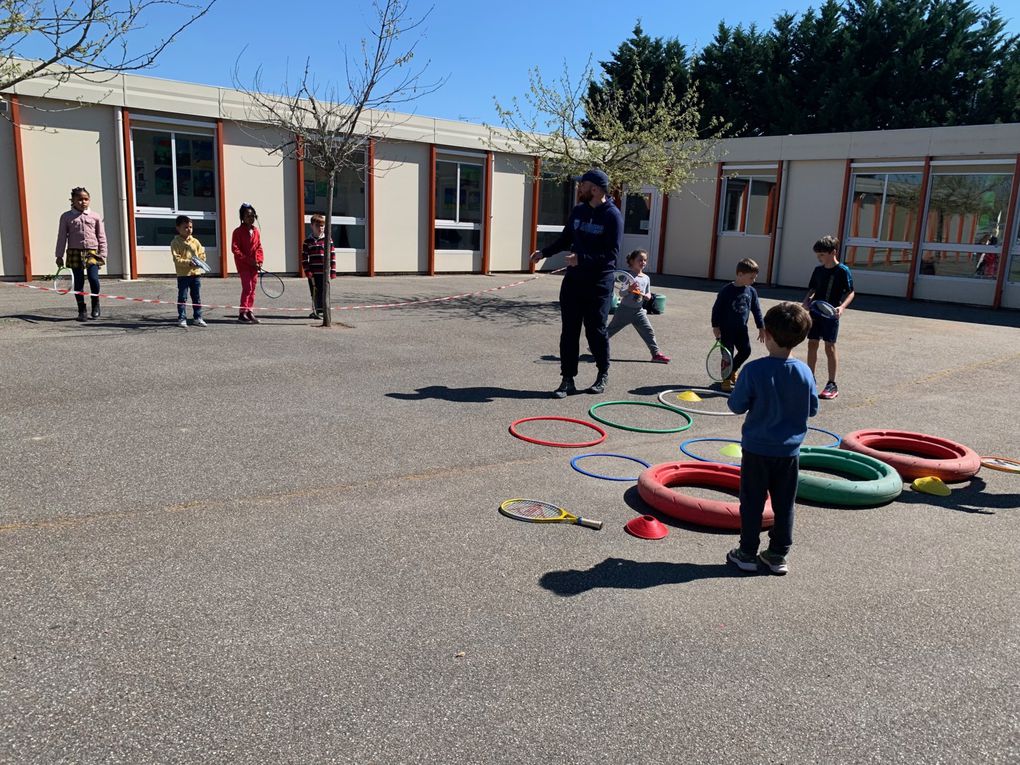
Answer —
(589, 523)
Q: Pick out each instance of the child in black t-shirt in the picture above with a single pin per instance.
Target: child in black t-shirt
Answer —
(833, 283)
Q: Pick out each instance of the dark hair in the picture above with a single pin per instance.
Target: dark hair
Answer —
(80, 190)
(635, 254)
(181, 219)
(245, 206)
(788, 323)
(826, 244)
(747, 266)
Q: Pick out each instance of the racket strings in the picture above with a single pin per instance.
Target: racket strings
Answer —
(529, 509)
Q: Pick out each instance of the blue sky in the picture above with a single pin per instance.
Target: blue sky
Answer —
(482, 49)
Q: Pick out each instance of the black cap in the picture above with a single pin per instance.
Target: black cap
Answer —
(597, 177)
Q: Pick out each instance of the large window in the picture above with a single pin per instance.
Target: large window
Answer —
(637, 217)
(882, 219)
(348, 202)
(459, 204)
(175, 173)
(967, 211)
(748, 203)
(556, 198)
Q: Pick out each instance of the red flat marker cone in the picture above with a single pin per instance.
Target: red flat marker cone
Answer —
(646, 527)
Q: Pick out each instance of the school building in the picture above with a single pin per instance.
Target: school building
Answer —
(926, 214)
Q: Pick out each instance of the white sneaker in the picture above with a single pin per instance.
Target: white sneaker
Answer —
(182, 323)
(200, 323)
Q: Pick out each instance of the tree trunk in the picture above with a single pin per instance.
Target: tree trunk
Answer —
(327, 313)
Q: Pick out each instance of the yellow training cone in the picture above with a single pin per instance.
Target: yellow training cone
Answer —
(688, 395)
(931, 485)
(731, 450)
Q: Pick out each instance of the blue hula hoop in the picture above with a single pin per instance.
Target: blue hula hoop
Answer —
(836, 440)
(582, 471)
(685, 444)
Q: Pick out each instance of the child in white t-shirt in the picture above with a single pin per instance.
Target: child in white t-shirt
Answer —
(631, 308)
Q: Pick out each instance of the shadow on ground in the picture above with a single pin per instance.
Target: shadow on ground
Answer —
(968, 498)
(482, 394)
(623, 574)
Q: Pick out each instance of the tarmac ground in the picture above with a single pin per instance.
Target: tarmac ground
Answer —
(280, 543)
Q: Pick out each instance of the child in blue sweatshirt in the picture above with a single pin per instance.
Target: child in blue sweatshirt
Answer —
(778, 393)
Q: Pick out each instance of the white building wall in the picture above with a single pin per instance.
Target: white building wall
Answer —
(79, 147)
(510, 234)
(270, 185)
(64, 148)
(814, 194)
(688, 239)
(401, 207)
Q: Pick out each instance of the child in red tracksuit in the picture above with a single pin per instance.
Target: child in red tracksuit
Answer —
(246, 244)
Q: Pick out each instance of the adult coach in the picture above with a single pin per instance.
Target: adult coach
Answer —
(593, 236)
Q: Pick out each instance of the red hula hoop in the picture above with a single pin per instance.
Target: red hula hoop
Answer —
(941, 458)
(540, 442)
(654, 487)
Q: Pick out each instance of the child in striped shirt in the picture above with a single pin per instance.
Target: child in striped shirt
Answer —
(313, 257)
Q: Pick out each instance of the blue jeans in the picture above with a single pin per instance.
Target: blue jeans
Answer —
(186, 284)
(777, 478)
(78, 275)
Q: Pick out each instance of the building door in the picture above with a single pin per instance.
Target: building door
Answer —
(640, 224)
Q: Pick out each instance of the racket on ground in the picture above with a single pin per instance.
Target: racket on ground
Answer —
(826, 310)
(537, 511)
(271, 284)
(63, 281)
(719, 362)
(1005, 464)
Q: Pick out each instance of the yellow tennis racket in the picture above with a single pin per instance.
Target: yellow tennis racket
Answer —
(537, 511)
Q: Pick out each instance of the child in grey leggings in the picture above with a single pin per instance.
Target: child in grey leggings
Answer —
(631, 308)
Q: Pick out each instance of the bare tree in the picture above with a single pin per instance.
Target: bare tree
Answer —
(636, 140)
(331, 123)
(86, 39)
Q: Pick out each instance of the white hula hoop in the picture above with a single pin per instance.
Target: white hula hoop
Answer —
(689, 410)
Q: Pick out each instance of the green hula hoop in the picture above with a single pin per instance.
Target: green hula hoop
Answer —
(880, 483)
(674, 410)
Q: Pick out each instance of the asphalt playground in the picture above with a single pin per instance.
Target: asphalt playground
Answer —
(280, 543)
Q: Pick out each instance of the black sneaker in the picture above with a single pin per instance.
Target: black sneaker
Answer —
(830, 391)
(599, 386)
(742, 560)
(566, 388)
(775, 562)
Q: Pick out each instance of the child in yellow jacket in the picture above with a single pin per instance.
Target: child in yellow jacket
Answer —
(189, 262)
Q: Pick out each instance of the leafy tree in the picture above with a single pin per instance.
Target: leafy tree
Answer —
(849, 65)
(731, 72)
(656, 63)
(87, 39)
(636, 140)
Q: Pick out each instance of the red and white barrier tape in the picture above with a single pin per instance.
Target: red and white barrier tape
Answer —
(156, 301)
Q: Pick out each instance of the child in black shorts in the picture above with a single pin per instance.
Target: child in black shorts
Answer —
(833, 283)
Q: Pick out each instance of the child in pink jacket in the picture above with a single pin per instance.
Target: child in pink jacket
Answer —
(246, 244)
